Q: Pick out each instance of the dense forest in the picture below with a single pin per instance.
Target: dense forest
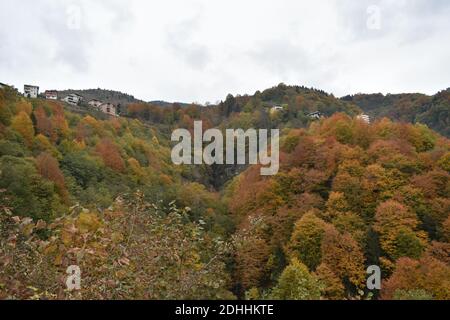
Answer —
(77, 188)
(434, 111)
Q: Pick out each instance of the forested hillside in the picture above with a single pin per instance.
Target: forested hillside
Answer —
(347, 195)
(434, 111)
(103, 194)
(104, 95)
(254, 111)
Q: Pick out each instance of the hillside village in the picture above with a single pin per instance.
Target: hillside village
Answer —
(74, 99)
(295, 105)
(115, 102)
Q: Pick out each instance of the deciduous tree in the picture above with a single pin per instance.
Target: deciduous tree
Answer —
(23, 125)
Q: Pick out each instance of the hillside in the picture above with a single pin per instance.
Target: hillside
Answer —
(103, 194)
(347, 195)
(296, 102)
(434, 111)
(249, 110)
(115, 97)
(246, 111)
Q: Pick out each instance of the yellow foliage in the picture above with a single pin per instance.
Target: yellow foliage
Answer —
(444, 162)
(25, 106)
(80, 145)
(58, 259)
(23, 125)
(66, 237)
(135, 166)
(117, 237)
(43, 144)
(28, 229)
(87, 222)
(50, 249)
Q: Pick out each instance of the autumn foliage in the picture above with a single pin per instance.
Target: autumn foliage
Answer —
(110, 155)
(380, 197)
(103, 193)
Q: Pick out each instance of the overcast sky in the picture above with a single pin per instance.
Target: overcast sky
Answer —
(200, 50)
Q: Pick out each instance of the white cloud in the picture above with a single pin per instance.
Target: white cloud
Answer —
(201, 50)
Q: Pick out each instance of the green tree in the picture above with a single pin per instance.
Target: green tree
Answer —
(306, 240)
(414, 294)
(407, 244)
(82, 167)
(396, 226)
(296, 283)
(29, 194)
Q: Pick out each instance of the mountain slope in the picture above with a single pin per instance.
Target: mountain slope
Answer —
(103, 194)
(348, 195)
(433, 111)
(111, 96)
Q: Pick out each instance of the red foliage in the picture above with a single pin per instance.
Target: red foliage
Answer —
(48, 167)
(43, 123)
(427, 274)
(110, 154)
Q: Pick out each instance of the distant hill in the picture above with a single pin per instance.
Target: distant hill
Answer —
(434, 111)
(297, 101)
(303, 99)
(437, 113)
(115, 97)
(293, 104)
(162, 103)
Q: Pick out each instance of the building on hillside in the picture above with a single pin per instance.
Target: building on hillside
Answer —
(30, 91)
(276, 108)
(315, 115)
(95, 103)
(108, 108)
(51, 94)
(3, 85)
(364, 117)
(73, 99)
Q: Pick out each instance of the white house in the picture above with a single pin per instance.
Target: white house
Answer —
(364, 117)
(108, 108)
(30, 91)
(276, 109)
(51, 94)
(73, 99)
(95, 103)
(315, 115)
